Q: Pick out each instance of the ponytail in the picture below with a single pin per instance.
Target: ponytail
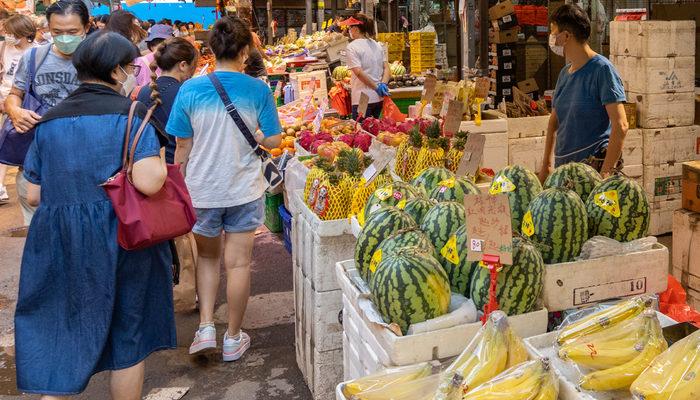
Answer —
(167, 56)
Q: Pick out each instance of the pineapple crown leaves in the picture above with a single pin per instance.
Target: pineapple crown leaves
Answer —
(462, 135)
(443, 143)
(415, 138)
(433, 130)
(350, 161)
(459, 144)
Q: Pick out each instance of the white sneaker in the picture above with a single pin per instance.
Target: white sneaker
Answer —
(234, 348)
(204, 340)
(4, 197)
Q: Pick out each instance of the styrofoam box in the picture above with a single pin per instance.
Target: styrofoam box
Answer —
(656, 75)
(583, 283)
(663, 181)
(632, 149)
(634, 172)
(661, 218)
(527, 127)
(335, 49)
(318, 245)
(495, 151)
(527, 152)
(321, 311)
(652, 38)
(299, 321)
(326, 373)
(392, 350)
(686, 243)
(663, 110)
(671, 145)
(488, 125)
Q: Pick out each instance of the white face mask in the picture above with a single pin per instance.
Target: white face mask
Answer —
(11, 40)
(47, 36)
(556, 49)
(129, 83)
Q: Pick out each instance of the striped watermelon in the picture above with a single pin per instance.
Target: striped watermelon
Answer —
(403, 238)
(579, 177)
(440, 225)
(618, 208)
(393, 194)
(417, 207)
(410, 287)
(379, 226)
(556, 221)
(454, 189)
(518, 287)
(459, 270)
(521, 186)
(430, 178)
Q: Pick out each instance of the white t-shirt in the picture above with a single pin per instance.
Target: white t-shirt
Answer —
(369, 56)
(10, 60)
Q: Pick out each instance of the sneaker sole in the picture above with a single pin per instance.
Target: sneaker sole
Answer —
(207, 347)
(236, 355)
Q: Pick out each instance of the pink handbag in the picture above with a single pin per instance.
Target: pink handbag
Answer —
(148, 220)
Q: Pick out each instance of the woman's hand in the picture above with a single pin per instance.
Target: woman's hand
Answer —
(382, 90)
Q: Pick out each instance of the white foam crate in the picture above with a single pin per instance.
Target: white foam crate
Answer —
(542, 346)
(661, 218)
(489, 124)
(652, 38)
(671, 145)
(527, 127)
(392, 350)
(663, 110)
(632, 149)
(656, 75)
(321, 311)
(635, 172)
(495, 151)
(663, 182)
(527, 152)
(326, 373)
(318, 245)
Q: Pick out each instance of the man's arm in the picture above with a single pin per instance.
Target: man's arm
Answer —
(22, 119)
(618, 122)
(547, 159)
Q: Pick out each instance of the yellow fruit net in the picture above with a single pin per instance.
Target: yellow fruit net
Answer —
(332, 200)
(406, 159)
(428, 157)
(360, 193)
(454, 156)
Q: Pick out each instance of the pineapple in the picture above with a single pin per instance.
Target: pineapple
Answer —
(313, 180)
(454, 155)
(433, 153)
(407, 154)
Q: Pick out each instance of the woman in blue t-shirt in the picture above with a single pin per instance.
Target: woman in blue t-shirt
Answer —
(588, 121)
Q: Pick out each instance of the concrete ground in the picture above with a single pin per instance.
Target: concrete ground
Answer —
(267, 371)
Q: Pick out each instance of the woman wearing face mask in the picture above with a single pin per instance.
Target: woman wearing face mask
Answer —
(177, 59)
(588, 121)
(68, 23)
(86, 305)
(127, 25)
(224, 177)
(365, 58)
(43, 35)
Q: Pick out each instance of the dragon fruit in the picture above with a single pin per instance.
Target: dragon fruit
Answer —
(362, 142)
(348, 139)
(406, 126)
(325, 136)
(371, 125)
(315, 145)
(306, 138)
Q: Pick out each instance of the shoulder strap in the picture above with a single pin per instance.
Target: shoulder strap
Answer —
(36, 59)
(135, 142)
(233, 113)
(127, 135)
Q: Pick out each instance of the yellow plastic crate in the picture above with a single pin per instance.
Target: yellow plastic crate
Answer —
(395, 56)
(422, 36)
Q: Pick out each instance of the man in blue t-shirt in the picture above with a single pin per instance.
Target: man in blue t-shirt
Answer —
(588, 121)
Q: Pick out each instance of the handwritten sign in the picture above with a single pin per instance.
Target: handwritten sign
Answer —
(489, 229)
(482, 88)
(473, 153)
(453, 118)
(362, 107)
(376, 167)
(428, 89)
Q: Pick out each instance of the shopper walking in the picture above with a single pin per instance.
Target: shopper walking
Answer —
(68, 23)
(86, 305)
(370, 71)
(177, 59)
(224, 177)
(20, 34)
(155, 37)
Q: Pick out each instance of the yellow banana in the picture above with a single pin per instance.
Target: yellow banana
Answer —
(618, 331)
(420, 389)
(518, 383)
(387, 377)
(494, 362)
(603, 355)
(604, 319)
(549, 389)
(516, 350)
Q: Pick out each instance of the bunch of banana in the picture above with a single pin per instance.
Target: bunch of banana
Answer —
(674, 375)
(531, 380)
(604, 319)
(392, 376)
(493, 349)
(621, 376)
(419, 389)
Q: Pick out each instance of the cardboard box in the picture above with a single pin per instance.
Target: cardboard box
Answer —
(690, 185)
(501, 9)
(587, 282)
(662, 182)
(509, 21)
(528, 86)
(697, 106)
(501, 37)
(656, 75)
(652, 38)
(527, 152)
(633, 147)
(671, 145)
(663, 110)
(686, 247)
(661, 216)
(501, 50)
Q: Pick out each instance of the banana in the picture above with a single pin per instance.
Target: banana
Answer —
(604, 319)
(387, 377)
(516, 350)
(549, 389)
(603, 355)
(420, 389)
(492, 362)
(521, 382)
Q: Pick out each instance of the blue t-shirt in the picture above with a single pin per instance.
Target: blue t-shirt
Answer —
(223, 170)
(579, 101)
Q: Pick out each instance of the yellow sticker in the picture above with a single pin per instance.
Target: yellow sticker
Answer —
(501, 185)
(608, 201)
(402, 204)
(448, 183)
(384, 193)
(450, 251)
(376, 259)
(361, 217)
(528, 227)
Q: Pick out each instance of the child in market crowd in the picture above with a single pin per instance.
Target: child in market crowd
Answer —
(68, 23)
(588, 121)
(224, 177)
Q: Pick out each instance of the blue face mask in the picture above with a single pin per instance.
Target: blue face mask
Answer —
(67, 44)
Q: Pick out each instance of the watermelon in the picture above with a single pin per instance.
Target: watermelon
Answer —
(454, 189)
(379, 226)
(403, 238)
(430, 178)
(459, 270)
(556, 221)
(440, 225)
(410, 287)
(417, 207)
(618, 208)
(518, 286)
(579, 177)
(521, 186)
(393, 194)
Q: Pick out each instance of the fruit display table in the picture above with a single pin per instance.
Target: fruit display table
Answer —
(406, 96)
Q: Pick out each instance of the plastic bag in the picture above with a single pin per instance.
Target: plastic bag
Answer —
(386, 378)
(672, 302)
(391, 110)
(528, 380)
(674, 375)
(418, 389)
(600, 246)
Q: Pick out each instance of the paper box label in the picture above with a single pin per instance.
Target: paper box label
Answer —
(667, 185)
(597, 293)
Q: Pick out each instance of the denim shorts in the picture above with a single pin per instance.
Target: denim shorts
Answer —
(242, 218)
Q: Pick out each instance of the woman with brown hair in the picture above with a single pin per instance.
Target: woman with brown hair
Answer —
(127, 25)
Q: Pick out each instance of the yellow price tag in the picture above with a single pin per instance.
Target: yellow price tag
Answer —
(450, 251)
(609, 202)
(402, 204)
(384, 193)
(376, 259)
(528, 227)
(448, 183)
(501, 185)
(477, 117)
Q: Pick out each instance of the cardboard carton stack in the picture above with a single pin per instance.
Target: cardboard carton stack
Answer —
(686, 234)
(502, 37)
(656, 60)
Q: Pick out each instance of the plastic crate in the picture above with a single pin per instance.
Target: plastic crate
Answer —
(273, 222)
(286, 217)
(421, 36)
(395, 55)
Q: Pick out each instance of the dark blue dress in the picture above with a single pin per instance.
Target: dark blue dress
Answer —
(85, 305)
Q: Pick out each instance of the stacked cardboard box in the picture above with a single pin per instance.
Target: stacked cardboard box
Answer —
(656, 60)
(422, 51)
(502, 67)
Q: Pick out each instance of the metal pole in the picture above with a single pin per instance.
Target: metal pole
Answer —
(270, 39)
(309, 17)
(484, 40)
(320, 15)
(389, 17)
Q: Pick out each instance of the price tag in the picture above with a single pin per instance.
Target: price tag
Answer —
(473, 153)
(362, 107)
(316, 124)
(278, 89)
(453, 118)
(482, 88)
(489, 229)
(376, 167)
(428, 89)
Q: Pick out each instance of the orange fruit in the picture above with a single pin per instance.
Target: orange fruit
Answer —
(276, 152)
